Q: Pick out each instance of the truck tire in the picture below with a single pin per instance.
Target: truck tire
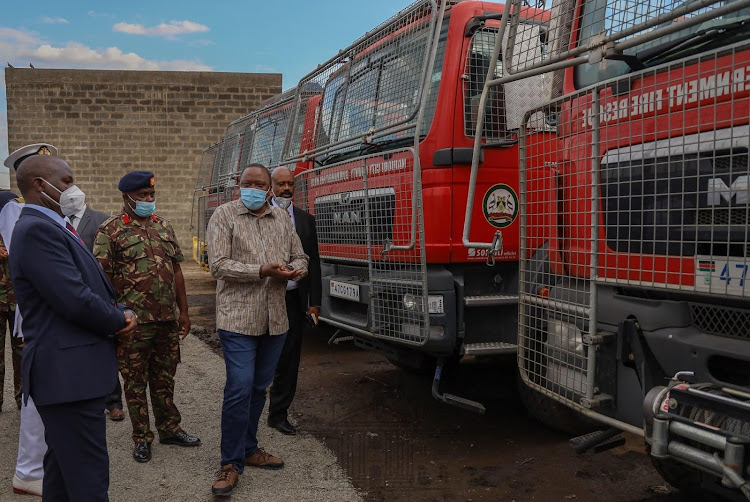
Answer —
(554, 415)
(424, 365)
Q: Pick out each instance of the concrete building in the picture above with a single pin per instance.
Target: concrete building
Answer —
(108, 122)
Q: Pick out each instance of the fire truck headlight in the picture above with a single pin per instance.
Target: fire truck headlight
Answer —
(410, 302)
(564, 336)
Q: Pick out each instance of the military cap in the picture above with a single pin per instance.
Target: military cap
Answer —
(135, 181)
(14, 159)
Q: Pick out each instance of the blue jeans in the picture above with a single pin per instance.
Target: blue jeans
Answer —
(251, 363)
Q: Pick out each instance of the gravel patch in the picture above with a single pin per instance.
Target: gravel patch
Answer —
(311, 472)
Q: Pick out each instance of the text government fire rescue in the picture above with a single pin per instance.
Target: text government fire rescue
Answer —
(685, 93)
(387, 166)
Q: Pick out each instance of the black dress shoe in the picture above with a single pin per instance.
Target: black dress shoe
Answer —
(182, 438)
(142, 452)
(284, 427)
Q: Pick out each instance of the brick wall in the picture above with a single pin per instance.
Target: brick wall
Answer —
(106, 123)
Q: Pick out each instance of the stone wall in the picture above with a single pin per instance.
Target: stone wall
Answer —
(106, 123)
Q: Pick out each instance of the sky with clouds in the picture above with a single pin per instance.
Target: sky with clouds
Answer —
(288, 36)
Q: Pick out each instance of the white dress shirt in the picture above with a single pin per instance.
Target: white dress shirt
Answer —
(75, 218)
(290, 285)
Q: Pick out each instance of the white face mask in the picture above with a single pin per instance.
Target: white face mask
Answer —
(283, 202)
(72, 199)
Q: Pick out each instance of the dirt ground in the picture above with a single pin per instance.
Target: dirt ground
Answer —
(175, 474)
(396, 443)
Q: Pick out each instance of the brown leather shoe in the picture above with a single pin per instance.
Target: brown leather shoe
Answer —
(264, 460)
(226, 480)
(116, 415)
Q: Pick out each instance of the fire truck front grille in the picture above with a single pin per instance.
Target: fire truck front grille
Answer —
(342, 218)
(677, 205)
(361, 274)
(723, 216)
(722, 321)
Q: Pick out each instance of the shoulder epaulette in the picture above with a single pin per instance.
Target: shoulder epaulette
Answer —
(109, 220)
(20, 200)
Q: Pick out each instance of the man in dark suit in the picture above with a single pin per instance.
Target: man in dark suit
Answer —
(302, 300)
(86, 221)
(70, 318)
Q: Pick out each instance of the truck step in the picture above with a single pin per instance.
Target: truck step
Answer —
(597, 441)
(490, 300)
(453, 400)
(489, 348)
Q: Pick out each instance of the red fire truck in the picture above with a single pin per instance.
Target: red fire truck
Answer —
(392, 153)
(261, 137)
(634, 300)
(381, 136)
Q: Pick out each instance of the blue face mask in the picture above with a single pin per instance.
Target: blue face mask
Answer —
(143, 209)
(253, 198)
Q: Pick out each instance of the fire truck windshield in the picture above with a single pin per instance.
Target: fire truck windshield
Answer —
(380, 88)
(269, 137)
(606, 16)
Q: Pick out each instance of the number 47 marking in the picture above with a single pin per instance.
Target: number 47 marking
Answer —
(725, 273)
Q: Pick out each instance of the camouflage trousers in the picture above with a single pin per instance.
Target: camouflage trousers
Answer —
(149, 357)
(7, 319)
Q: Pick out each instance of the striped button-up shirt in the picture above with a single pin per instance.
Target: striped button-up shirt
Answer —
(239, 243)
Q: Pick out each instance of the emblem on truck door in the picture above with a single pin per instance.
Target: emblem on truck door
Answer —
(500, 205)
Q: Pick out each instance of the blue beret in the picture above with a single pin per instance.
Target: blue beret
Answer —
(6, 197)
(135, 181)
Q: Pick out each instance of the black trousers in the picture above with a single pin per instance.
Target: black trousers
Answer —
(76, 465)
(114, 400)
(285, 379)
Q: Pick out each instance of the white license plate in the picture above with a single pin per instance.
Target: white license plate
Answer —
(727, 276)
(345, 290)
(435, 304)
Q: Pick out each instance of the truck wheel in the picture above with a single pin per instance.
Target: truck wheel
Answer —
(553, 414)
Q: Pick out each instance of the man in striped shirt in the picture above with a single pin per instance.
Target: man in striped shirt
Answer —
(253, 251)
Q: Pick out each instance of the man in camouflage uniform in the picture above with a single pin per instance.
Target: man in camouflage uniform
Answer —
(139, 252)
(7, 316)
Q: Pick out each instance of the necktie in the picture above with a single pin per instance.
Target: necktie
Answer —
(73, 231)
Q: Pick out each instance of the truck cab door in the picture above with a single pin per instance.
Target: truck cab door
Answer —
(497, 166)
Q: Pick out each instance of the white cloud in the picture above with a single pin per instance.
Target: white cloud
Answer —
(10, 36)
(21, 48)
(263, 68)
(166, 30)
(54, 20)
(100, 14)
(76, 55)
(203, 42)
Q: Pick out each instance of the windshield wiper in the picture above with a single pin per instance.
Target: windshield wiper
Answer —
(693, 41)
(366, 148)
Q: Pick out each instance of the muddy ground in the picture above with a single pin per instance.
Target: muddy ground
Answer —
(397, 443)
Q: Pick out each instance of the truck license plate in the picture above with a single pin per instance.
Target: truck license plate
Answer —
(722, 275)
(345, 290)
